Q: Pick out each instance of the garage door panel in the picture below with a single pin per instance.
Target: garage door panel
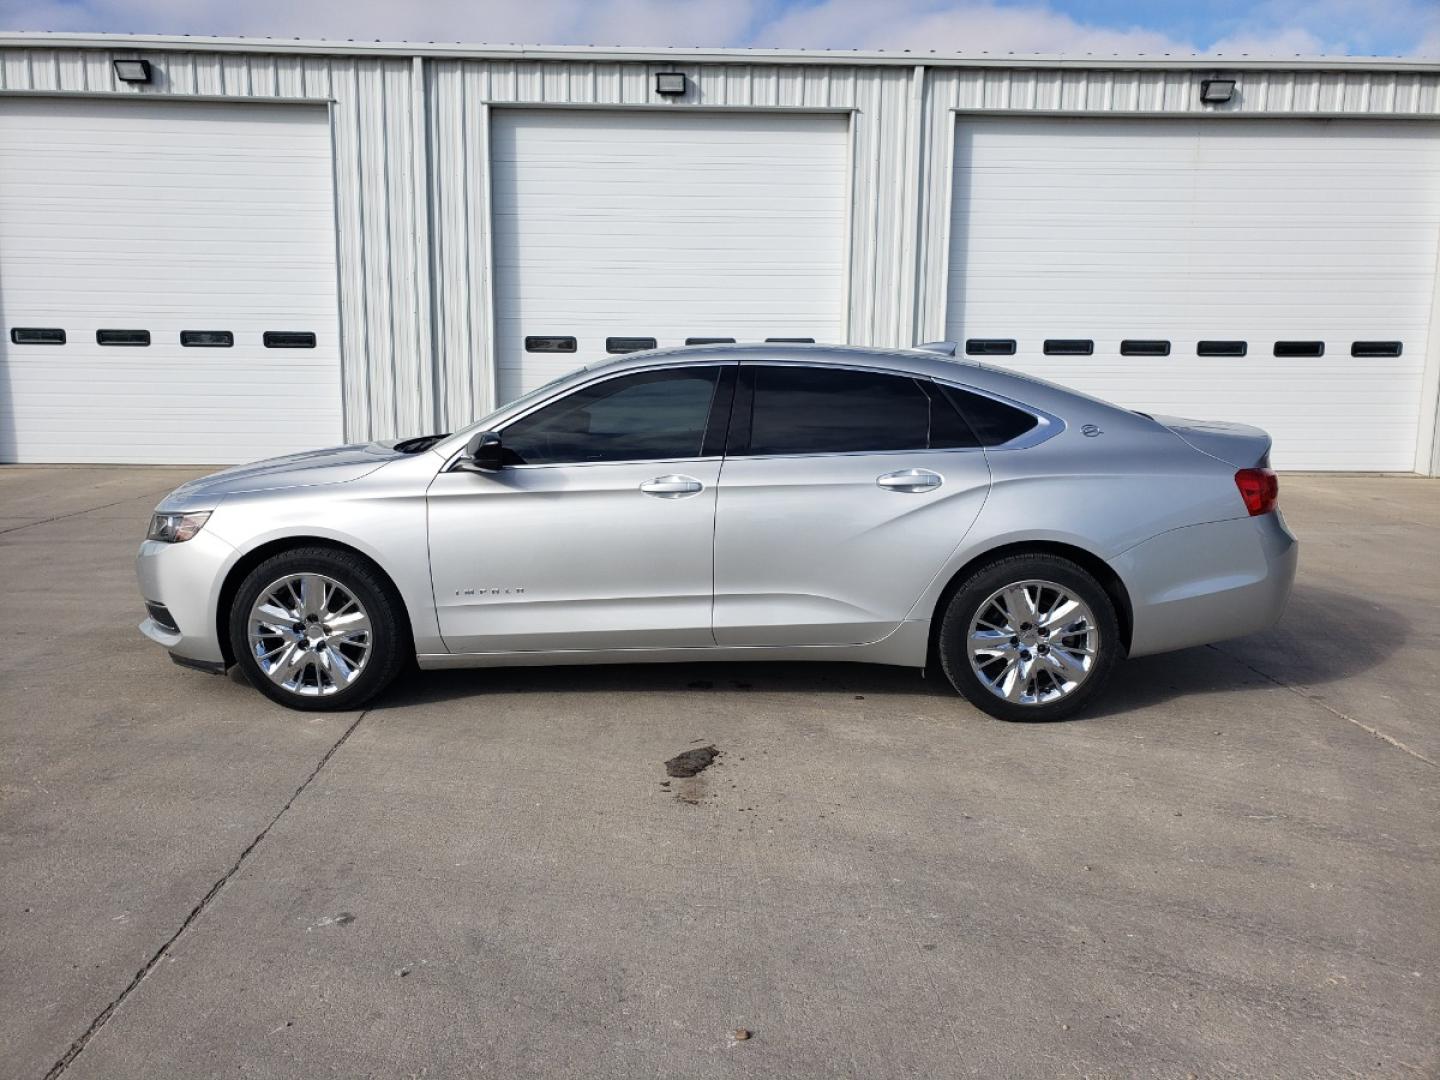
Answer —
(166, 217)
(683, 225)
(1259, 231)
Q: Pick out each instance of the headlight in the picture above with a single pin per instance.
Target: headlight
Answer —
(176, 528)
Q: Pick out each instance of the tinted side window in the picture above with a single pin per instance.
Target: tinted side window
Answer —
(801, 410)
(993, 422)
(948, 429)
(652, 414)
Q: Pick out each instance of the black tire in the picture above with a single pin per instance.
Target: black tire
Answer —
(390, 647)
(965, 605)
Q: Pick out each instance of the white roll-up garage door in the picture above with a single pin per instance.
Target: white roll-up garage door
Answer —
(137, 239)
(1293, 240)
(613, 229)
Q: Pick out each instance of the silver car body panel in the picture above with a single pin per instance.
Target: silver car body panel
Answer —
(313, 468)
(573, 557)
(830, 556)
(813, 550)
(1235, 444)
(901, 648)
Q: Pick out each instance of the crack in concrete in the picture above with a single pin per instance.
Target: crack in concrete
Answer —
(1301, 693)
(78, 1046)
(87, 510)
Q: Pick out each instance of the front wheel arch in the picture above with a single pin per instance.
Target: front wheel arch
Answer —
(253, 558)
(1097, 567)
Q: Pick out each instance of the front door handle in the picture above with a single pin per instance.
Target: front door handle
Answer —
(671, 487)
(910, 480)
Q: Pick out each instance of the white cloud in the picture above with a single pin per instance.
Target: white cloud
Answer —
(1268, 27)
(923, 25)
(668, 22)
(1359, 27)
(583, 22)
(1291, 42)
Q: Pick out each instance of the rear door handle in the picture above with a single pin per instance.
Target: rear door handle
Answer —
(672, 487)
(910, 480)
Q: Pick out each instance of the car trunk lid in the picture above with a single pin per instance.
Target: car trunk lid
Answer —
(1235, 444)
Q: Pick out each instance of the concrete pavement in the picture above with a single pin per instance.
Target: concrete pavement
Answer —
(1229, 869)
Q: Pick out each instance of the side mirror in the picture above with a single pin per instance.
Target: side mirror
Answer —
(484, 452)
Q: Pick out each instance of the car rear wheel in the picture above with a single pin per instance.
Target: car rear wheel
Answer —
(317, 629)
(1030, 637)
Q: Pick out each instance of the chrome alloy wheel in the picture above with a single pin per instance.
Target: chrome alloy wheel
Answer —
(309, 634)
(1033, 642)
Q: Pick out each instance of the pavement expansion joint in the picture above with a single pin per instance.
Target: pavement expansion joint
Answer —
(1301, 693)
(78, 1046)
(88, 510)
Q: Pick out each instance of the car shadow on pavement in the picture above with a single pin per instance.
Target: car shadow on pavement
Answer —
(736, 678)
(1326, 635)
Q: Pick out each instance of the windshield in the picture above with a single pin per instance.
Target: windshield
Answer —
(482, 424)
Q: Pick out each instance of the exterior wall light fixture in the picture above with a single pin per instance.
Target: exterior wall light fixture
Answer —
(1216, 91)
(134, 71)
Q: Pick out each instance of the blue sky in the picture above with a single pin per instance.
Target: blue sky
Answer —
(1256, 27)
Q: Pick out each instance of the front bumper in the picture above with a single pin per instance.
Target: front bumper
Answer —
(1206, 583)
(186, 578)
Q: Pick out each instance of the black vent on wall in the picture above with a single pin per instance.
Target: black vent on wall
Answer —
(628, 344)
(289, 339)
(1220, 348)
(983, 346)
(1376, 348)
(1144, 347)
(1069, 347)
(37, 335)
(207, 339)
(134, 338)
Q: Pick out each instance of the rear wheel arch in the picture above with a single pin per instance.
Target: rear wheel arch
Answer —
(1093, 564)
(253, 558)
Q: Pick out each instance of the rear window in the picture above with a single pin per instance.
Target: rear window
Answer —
(817, 410)
(802, 410)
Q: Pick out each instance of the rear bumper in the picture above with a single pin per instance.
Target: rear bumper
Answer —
(1209, 582)
(185, 578)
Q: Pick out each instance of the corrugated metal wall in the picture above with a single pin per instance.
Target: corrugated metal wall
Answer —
(414, 255)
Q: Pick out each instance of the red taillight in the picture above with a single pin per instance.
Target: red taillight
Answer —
(1260, 488)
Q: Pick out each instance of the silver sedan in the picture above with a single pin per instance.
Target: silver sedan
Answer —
(780, 502)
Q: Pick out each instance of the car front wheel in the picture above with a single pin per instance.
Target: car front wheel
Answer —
(1030, 637)
(317, 629)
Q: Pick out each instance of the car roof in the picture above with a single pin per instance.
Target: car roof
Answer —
(918, 361)
(1018, 386)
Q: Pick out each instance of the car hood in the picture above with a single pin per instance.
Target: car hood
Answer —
(335, 465)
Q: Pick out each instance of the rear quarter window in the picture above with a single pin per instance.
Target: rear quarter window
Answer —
(993, 422)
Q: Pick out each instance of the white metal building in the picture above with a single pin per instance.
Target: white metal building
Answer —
(264, 246)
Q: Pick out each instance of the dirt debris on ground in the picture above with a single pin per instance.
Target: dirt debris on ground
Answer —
(691, 761)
